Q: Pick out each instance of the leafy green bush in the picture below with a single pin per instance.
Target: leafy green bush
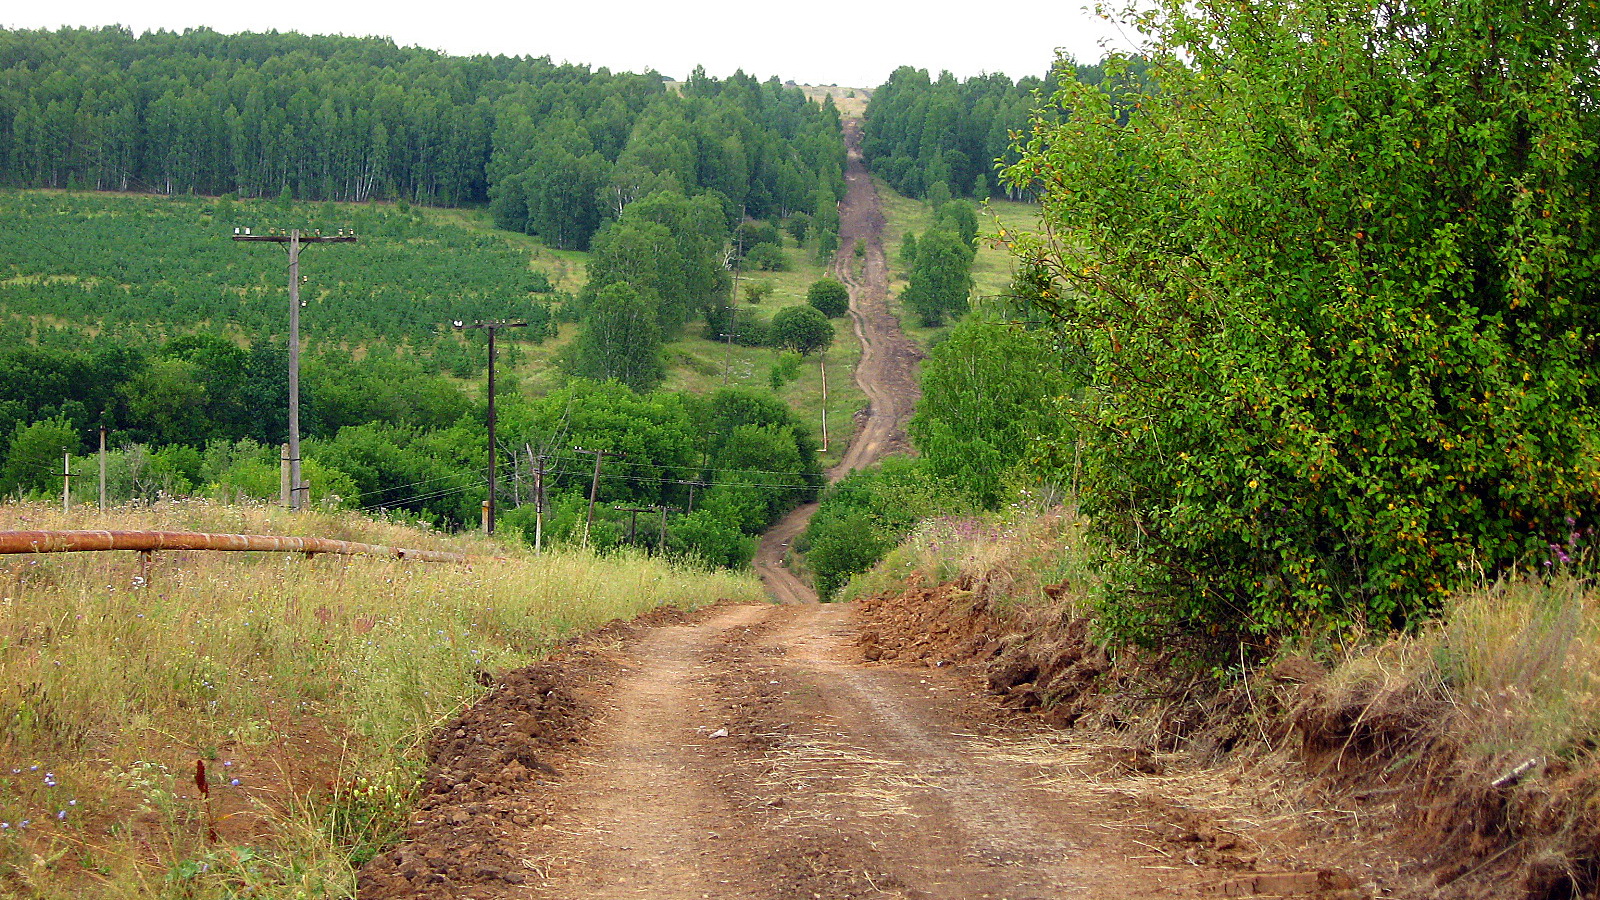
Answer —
(767, 258)
(829, 296)
(990, 391)
(801, 329)
(863, 517)
(1341, 328)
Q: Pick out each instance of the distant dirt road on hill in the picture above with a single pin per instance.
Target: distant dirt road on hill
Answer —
(887, 372)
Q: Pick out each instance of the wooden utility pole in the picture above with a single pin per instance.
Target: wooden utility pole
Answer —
(538, 498)
(824, 358)
(66, 480)
(633, 521)
(491, 328)
(733, 309)
(285, 476)
(661, 542)
(594, 486)
(692, 485)
(294, 239)
(102, 468)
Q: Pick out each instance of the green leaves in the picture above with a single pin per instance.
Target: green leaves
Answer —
(1338, 326)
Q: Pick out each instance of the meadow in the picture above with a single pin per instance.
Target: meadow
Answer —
(296, 691)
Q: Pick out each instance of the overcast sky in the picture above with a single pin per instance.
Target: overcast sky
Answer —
(829, 42)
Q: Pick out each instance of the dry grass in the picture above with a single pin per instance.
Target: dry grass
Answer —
(1011, 557)
(311, 682)
(836, 775)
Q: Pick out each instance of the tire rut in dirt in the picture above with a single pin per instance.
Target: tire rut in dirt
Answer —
(884, 765)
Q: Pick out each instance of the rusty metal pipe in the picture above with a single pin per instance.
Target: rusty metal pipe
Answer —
(75, 541)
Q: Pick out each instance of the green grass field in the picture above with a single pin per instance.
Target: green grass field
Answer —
(700, 366)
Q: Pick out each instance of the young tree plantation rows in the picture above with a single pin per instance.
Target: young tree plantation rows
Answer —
(556, 149)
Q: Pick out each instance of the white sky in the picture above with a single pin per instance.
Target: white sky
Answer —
(828, 42)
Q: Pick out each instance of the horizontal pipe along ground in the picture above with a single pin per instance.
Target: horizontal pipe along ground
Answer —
(76, 541)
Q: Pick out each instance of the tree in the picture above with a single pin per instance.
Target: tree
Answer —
(829, 296)
(990, 393)
(33, 460)
(940, 279)
(621, 339)
(798, 226)
(801, 329)
(1339, 329)
(767, 258)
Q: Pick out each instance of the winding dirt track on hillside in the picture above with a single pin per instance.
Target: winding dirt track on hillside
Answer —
(751, 752)
(886, 373)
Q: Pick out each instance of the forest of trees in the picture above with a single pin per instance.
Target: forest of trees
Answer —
(556, 149)
(919, 131)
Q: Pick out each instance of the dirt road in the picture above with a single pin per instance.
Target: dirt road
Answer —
(886, 371)
(753, 755)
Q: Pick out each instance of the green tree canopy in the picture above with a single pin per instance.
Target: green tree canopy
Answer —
(1341, 328)
(940, 280)
(621, 339)
(989, 392)
(829, 296)
(801, 329)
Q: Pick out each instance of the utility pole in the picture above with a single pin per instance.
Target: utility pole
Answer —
(102, 468)
(661, 542)
(294, 239)
(733, 309)
(538, 498)
(66, 480)
(692, 485)
(824, 359)
(594, 486)
(633, 522)
(491, 328)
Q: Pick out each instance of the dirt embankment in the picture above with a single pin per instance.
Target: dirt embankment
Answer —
(1333, 774)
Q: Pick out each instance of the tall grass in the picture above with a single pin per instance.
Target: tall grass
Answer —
(1013, 556)
(115, 682)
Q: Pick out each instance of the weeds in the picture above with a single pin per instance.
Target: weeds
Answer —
(297, 690)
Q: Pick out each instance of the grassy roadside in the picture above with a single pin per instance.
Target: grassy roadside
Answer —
(249, 724)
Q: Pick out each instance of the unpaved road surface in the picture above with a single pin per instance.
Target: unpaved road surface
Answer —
(887, 372)
(752, 754)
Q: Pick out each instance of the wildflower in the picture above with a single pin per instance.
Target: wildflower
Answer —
(61, 815)
(234, 782)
